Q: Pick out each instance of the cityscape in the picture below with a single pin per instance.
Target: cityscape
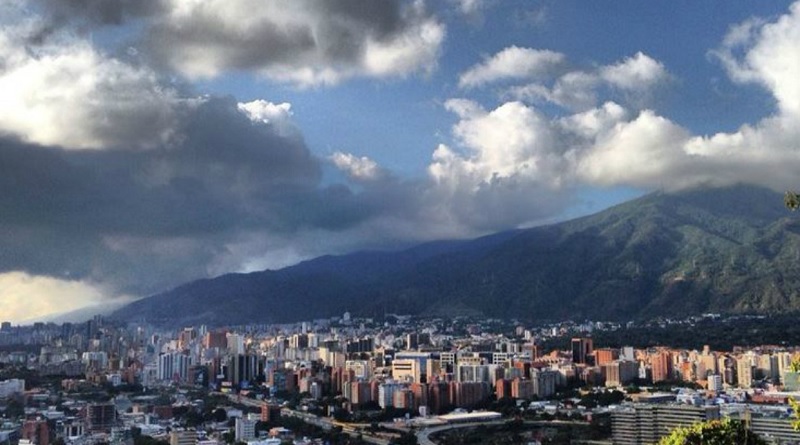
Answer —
(399, 222)
(403, 379)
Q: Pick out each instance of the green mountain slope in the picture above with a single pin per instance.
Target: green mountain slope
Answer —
(732, 249)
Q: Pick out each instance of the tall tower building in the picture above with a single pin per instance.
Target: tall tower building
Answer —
(661, 364)
(582, 348)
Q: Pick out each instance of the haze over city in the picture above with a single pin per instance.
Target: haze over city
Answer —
(145, 144)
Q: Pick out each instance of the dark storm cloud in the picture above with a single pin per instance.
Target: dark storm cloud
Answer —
(304, 42)
(301, 41)
(325, 32)
(113, 216)
(102, 12)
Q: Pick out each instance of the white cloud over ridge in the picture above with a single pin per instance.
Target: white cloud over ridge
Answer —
(115, 178)
(617, 145)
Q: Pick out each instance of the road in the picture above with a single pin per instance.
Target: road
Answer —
(423, 436)
(322, 422)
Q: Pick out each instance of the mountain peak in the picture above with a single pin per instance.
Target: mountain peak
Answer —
(705, 249)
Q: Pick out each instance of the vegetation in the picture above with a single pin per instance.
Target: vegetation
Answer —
(775, 329)
(791, 200)
(713, 432)
(142, 439)
(516, 432)
(707, 250)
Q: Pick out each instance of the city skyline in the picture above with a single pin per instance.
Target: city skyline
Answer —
(146, 144)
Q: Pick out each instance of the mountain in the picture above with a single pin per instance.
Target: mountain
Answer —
(734, 249)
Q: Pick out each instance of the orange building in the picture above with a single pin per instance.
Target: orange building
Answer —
(605, 355)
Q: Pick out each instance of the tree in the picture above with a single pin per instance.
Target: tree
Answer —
(713, 432)
(791, 200)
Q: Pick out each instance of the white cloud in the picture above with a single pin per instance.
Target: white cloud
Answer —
(635, 77)
(357, 168)
(29, 297)
(574, 90)
(641, 152)
(302, 42)
(67, 93)
(279, 116)
(771, 56)
(470, 7)
(265, 111)
(637, 73)
(512, 63)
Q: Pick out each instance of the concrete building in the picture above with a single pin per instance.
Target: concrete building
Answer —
(582, 348)
(646, 424)
(620, 372)
(183, 437)
(745, 372)
(406, 370)
(100, 417)
(11, 387)
(245, 429)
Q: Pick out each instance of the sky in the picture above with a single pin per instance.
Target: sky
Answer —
(147, 143)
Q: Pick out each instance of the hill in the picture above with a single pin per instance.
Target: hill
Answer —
(733, 249)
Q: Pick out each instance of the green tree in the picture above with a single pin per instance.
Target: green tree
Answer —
(791, 200)
(14, 408)
(713, 432)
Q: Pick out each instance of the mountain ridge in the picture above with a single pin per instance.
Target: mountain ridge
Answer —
(732, 249)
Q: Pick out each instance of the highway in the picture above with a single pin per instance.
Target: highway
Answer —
(423, 435)
(322, 422)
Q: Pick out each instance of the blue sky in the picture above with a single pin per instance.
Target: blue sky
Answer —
(358, 115)
(147, 143)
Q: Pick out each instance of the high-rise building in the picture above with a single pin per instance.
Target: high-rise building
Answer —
(100, 417)
(360, 393)
(406, 370)
(502, 388)
(244, 368)
(544, 382)
(582, 348)
(215, 339)
(361, 368)
(605, 355)
(420, 391)
(647, 424)
(744, 372)
(36, 431)
(183, 437)
(173, 366)
(235, 343)
(661, 365)
(620, 372)
(522, 389)
(714, 382)
(386, 392)
(245, 429)
(533, 350)
(472, 373)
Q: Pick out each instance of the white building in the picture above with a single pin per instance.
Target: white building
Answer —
(10, 387)
(245, 430)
